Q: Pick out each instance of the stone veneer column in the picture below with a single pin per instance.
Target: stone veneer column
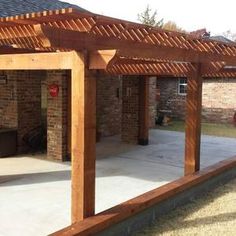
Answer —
(130, 110)
(57, 112)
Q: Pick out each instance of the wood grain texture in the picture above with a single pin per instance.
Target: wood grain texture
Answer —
(83, 139)
(193, 121)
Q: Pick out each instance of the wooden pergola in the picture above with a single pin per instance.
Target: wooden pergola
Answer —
(82, 42)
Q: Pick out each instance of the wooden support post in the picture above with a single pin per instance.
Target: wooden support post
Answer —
(83, 90)
(193, 121)
(143, 110)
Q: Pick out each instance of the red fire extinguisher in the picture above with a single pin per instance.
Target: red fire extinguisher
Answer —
(53, 90)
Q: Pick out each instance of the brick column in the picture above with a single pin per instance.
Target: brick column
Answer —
(109, 104)
(130, 110)
(152, 101)
(57, 116)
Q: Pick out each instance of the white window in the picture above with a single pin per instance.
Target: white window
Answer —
(182, 86)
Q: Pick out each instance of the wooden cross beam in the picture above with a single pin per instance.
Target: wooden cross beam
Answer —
(53, 60)
(75, 40)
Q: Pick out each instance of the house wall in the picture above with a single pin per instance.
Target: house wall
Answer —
(109, 105)
(20, 103)
(130, 110)
(152, 101)
(8, 102)
(218, 101)
(29, 104)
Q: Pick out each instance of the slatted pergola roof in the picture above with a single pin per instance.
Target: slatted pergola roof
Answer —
(137, 49)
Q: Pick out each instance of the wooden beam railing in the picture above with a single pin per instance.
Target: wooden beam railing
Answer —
(104, 220)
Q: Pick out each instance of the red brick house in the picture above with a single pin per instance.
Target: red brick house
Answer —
(218, 100)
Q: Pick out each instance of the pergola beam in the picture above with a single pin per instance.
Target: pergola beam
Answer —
(70, 39)
(37, 61)
(22, 60)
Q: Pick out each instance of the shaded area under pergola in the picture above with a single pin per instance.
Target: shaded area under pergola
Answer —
(84, 43)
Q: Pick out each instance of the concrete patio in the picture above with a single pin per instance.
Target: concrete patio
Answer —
(35, 194)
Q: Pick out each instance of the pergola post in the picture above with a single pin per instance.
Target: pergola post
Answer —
(143, 110)
(193, 121)
(83, 126)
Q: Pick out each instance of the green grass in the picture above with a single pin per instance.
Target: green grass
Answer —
(221, 130)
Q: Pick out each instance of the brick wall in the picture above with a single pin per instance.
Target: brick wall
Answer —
(130, 110)
(152, 101)
(20, 107)
(57, 110)
(218, 103)
(109, 105)
(219, 100)
(170, 100)
(20, 103)
(8, 102)
(29, 103)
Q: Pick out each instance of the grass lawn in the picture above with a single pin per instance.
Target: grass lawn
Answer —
(212, 215)
(222, 130)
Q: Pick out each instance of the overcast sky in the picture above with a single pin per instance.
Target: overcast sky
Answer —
(216, 16)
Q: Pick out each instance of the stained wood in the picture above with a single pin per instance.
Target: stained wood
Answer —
(99, 60)
(193, 121)
(83, 139)
(100, 222)
(37, 61)
(69, 115)
(143, 110)
(75, 40)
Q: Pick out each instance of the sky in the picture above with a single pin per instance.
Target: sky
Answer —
(217, 16)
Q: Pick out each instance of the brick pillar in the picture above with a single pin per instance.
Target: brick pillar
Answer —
(152, 101)
(57, 116)
(130, 110)
(109, 105)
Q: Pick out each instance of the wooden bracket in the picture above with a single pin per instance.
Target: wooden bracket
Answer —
(99, 60)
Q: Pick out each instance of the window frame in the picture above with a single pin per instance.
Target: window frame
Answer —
(185, 84)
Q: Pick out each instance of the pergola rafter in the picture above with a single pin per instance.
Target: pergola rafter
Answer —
(70, 29)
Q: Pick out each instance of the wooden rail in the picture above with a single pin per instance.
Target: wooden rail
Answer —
(100, 222)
